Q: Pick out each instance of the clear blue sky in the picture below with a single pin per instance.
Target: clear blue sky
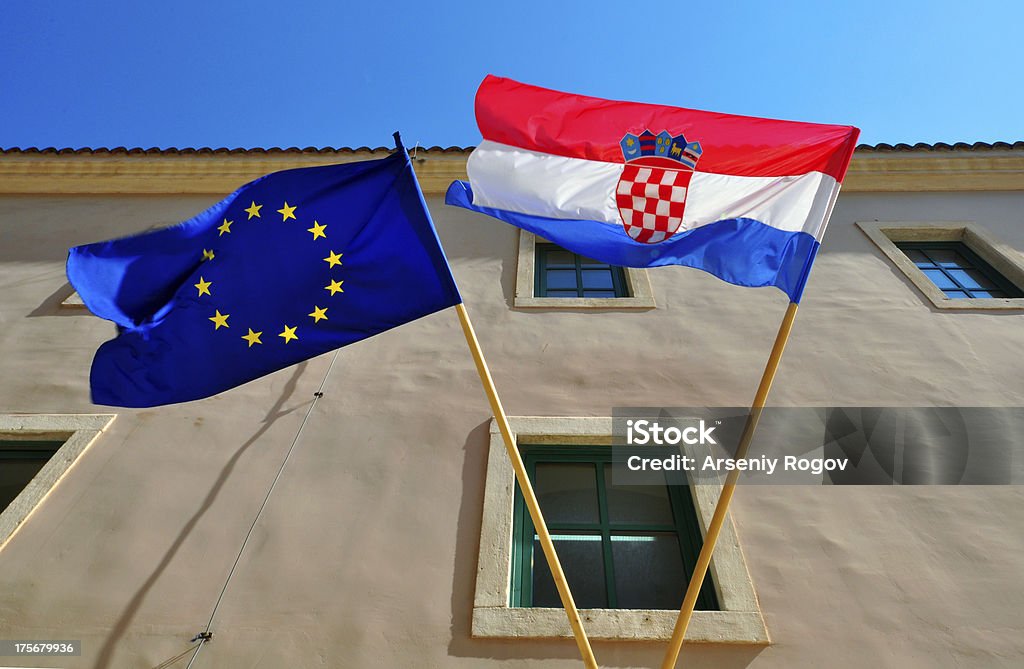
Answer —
(333, 73)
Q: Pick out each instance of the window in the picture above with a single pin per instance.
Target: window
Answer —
(957, 270)
(605, 535)
(562, 273)
(35, 452)
(73, 301)
(548, 276)
(565, 456)
(20, 461)
(953, 265)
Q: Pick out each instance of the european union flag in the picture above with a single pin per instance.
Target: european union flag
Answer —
(289, 266)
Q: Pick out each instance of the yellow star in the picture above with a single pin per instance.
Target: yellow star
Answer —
(252, 337)
(630, 142)
(286, 212)
(207, 254)
(335, 287)
(219, 320)
(225, 227)
(288, 334)
(253, 210)
(203, 286)
(318, 230)
(319, 314)
(334, 259)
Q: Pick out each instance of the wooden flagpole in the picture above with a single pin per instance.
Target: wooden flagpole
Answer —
(527, 489)
(718, 519)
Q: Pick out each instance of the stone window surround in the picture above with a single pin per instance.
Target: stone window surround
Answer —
(739, 620)
(641, 296)
(78, 430)
(73, 301)
(999, 255)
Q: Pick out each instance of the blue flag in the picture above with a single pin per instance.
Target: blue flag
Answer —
(287, 267)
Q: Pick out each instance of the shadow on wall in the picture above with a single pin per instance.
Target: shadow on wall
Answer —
(608, 653)
(54, 305)
(124, 621)
(41, 228)
(470, 240)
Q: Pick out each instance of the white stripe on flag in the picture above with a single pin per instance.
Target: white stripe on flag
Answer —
(506, 177)
(514, 179)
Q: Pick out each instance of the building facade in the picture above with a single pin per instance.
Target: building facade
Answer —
(390, 536)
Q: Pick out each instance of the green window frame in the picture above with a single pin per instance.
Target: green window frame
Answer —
(562, 273)
(957, 271)
(683, 528)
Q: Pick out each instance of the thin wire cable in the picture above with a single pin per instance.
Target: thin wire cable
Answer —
(316, 396)
(167, 663)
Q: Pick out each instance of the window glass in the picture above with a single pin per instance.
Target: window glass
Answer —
(583, 563)
(637, 503)
(947, 257)
(20, 461)
(971, 278)
(561, 273)
(598, 278)
(561, 278)
(567, 492)
(940, 278)
(649, 571)
(560, 258)
(621, 546)
(919, 258)
(957, 271)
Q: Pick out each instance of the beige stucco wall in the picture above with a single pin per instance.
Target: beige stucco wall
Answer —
(366, 555)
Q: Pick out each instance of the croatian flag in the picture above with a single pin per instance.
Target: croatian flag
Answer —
(639, 185)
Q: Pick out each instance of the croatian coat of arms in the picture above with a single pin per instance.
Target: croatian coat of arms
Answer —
(651, 193)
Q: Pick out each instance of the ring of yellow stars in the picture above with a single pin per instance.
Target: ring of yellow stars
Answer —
(318, 314)
(203, 286)
(287, 212)
(288, 334)
(333, 259)
(253, 210)
(318, 230)
(252, 337)
(219, 320)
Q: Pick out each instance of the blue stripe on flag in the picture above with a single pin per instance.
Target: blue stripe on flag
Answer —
(742, 251)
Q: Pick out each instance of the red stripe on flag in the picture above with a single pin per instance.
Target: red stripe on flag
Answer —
(577, 126)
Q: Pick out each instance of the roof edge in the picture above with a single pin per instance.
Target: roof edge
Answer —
(312, 150)
(899, 168)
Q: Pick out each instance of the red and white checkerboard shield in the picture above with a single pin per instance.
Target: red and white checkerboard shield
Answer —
(651, 199)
